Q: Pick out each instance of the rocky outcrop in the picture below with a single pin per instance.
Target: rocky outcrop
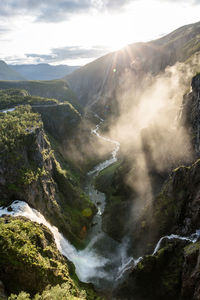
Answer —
(172, 273)
(190, 113)
(30, 260)
(60, 121)
(190, 288)
(30, 172)
(2, 291)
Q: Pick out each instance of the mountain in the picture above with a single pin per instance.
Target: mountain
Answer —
(7, 73)
(99, 81)
(144, 242)
(43, 71)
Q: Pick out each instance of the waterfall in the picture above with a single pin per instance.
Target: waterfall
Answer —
(193, 238)
(86, 262)
(104, 261)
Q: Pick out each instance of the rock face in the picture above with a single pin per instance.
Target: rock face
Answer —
(118, 200)
(190, 113)
(30, 260)
(172, 273)
(35, 185)
(2, 291)
(30, 172)
(60, 121)
(190, 276)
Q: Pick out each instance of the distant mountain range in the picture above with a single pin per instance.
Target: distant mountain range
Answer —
(34, 72)
(7, 73)
(43, 71)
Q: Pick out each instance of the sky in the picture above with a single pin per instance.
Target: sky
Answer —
(75, 32)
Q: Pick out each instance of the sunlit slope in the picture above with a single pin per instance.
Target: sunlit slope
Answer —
(100, 78)
(56, 89)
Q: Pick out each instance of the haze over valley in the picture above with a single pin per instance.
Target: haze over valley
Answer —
(100, 150)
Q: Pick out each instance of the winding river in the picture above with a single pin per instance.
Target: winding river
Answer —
(104, 261)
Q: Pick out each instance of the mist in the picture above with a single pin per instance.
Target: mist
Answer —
(147, 126)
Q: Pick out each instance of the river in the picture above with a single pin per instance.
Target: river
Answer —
(104, 261)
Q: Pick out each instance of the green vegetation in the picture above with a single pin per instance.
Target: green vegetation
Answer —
(111, 181)
(159, 276)
(17, 129)
(192, 248)
(60, 121)
(78, 210)
(54, 89)
(15, 126)
(30, 261)
(30, 247)
(12, 97)
(31, 171)
(64, 292)
(104, 180)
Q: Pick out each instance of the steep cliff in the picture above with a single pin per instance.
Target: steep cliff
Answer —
(176, 210)
(60, 121)
(190, 113)
(30, 172)
(30, 261)
(172, 273)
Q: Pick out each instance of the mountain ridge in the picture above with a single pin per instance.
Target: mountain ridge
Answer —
(7, 73)
(43, 71)
(101, 78)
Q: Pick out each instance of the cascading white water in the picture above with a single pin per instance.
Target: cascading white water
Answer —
(86, 261)
(7, 110)
(193, 238)
(104, 260)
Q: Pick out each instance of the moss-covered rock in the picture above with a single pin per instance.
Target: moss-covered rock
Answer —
(29, 171)
(29, 261)
(191, 271)
(111, 181)
(156, 277)
(60, 121)
(29, 258)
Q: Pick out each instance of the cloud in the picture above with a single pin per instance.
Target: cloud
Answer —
(56, 10)
(67, 53)
(4, 29)
(60, 10)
